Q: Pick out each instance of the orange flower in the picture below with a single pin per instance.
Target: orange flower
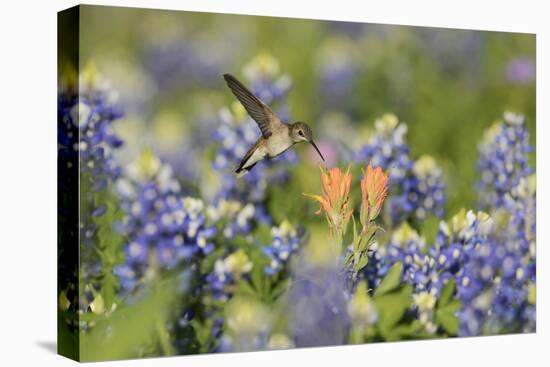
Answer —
(374, 189)
(335, 198)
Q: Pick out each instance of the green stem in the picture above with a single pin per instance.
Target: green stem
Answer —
(164, 338)
(337, 246)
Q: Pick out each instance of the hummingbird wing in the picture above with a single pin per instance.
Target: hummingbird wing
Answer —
(259, 111)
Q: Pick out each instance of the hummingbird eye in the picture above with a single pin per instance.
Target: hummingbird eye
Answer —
(300, 132)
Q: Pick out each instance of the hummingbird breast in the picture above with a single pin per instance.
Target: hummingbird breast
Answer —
(277, 144)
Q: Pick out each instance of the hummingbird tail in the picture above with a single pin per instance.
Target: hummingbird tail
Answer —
(241, 173)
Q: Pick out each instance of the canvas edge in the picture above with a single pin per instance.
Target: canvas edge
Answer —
(68, 336)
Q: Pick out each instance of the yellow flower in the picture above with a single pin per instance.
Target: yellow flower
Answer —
(374, 189)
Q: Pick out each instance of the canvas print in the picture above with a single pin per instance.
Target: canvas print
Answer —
(234, 183)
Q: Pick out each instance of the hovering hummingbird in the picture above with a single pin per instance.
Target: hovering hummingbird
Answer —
(276, 137)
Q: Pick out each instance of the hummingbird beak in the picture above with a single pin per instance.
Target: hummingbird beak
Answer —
(317, 149)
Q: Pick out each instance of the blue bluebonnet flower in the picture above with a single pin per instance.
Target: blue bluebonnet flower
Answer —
(286, 241)
(501, 275)
(492, 279)
(388, 149)
(461, 252)
(477, 287)
(422, 192)
(428, 189)
(520, 205)
(419, 267)
(86, 142)
(452, 257)
(378, 265)
(503, 159)
(519, 241)
(163, 228)
(519, 267)
(220, 284)
(416, 188)
(87, 109)
(227, 271)
(233, 217)
(458, 241)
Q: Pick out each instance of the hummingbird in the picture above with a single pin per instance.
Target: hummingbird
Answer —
(277, 136)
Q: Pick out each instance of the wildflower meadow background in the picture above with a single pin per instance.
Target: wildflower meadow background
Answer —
(421, 223)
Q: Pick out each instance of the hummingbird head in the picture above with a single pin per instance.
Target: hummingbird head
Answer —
(300, 131)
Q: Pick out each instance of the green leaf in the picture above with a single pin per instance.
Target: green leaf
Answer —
(446, 317)
(257, 276)
(446, 293)
(293, 209)
(207, 264)
(109, 251)
(405, 331)
(348, 258)
(363, 260)
(446, 309)
(280, 287)
(392, 280)
(354, 233)
(243, 287)
(391, 307)
(429, 228)
(366, 237)
(262, 234)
